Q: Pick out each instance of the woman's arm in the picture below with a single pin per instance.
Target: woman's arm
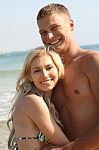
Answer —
(24, 126)
(41, 116)
(30, 117)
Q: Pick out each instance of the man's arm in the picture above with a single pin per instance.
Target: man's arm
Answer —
(89, 141)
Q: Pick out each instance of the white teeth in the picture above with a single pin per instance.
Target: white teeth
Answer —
(47, 81)
(54, 42)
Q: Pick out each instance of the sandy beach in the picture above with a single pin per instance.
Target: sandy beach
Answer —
(4, 132)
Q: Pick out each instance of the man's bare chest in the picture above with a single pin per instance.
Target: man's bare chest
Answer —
(75, 103)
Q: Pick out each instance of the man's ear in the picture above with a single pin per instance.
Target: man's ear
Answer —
(72, 25)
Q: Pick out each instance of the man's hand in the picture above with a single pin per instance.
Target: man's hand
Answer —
(50, 147)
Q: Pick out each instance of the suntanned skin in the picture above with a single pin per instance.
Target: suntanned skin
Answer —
(31, 114)
(76, 97)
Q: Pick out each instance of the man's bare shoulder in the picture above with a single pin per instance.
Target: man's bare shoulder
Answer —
(88, 56)
(90, 53)
(90, 61)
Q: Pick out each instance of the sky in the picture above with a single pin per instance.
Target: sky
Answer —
(18, 27)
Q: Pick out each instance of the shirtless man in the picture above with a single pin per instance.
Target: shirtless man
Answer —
(77, 96)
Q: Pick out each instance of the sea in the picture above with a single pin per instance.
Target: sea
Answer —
(10, 67)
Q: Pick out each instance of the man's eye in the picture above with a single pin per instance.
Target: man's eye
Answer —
(43, 33)
(55, 28)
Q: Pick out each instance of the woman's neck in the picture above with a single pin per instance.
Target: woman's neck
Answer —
(47, 93)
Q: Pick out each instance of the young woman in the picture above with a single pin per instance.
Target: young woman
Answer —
(35, 121)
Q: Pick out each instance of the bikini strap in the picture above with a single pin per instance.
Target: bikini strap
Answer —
(41, 137)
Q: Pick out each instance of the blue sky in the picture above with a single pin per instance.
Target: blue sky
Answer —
(18, 28)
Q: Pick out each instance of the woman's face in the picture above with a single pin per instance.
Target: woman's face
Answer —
(44, 73)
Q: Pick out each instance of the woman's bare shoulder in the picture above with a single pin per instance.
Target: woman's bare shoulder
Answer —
(28, 101)
(30, 105)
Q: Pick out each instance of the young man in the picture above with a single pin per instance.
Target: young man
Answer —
(77, 96)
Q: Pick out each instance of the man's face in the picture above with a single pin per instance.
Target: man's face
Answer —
(55, 30)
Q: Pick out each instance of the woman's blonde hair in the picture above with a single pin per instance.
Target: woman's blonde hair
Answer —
(24, 85)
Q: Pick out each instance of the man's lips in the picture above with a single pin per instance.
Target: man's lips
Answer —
(56, 43)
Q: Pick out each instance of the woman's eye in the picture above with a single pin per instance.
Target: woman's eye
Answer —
(50, 67)
(36, 71)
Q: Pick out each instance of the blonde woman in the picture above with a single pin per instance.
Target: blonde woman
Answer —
(35, 121)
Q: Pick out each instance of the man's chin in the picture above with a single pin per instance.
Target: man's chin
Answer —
(58, 49)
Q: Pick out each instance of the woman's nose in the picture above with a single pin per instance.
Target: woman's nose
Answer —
(45, 73)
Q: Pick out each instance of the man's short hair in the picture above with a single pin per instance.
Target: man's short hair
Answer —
(52, 8)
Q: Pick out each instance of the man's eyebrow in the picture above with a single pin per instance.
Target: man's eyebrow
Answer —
(51, 26)
(41, 30)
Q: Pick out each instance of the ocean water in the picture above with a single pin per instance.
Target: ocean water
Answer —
(10, 67)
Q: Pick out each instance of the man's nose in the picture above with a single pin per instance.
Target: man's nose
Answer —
(50, 35)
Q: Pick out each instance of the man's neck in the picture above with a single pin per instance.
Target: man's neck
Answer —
(70, 54)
